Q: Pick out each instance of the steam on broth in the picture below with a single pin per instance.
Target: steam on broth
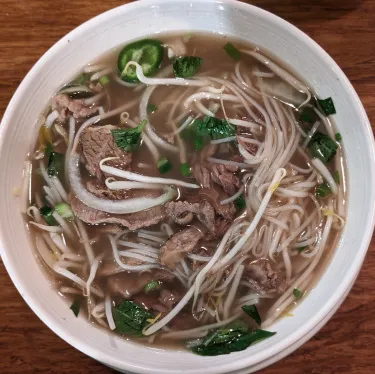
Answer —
(186, 189)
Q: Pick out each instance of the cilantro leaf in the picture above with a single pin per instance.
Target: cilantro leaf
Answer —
(214, 128)
(186, 66)
(128, 139)
(130, 319)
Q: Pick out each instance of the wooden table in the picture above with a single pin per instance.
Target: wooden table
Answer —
(346, 29)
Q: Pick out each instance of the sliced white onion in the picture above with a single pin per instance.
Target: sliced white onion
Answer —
(52, 117)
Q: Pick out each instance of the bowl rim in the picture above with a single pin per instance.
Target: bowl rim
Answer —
(296, 337)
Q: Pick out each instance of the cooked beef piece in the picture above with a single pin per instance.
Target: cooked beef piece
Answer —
(97, 143)
(126, 284)
(99, 189)
(149, 302)
(182, 212)
(263, 278)
(66, 106)
(169, 298)
(133, 221)
(109, 268)
(179, 245)
(206, 173)
(206, 214)
(216, 217)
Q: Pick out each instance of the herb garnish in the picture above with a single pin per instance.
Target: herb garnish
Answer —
(322, 146)
(327, 105)
(128, 139)
(186, 66)
(232, 51)
(252, 311)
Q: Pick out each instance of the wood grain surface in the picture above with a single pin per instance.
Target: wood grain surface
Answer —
(345, 29)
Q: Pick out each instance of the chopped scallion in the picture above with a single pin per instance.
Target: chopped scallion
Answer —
(151, 108)
(75, 307)
(103, 80)
(297, 293)
(232, 51)
(185, 170)
(164, 165)
(301, 249)
(327, 105)
(322, 190)
(46, 212)
(152, 286)
(240, 203)
(55, 164)
(336, 176)
(338, 137)
(65, 211)
(308, 115)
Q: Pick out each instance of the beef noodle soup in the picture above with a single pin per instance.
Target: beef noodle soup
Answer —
(185, 189)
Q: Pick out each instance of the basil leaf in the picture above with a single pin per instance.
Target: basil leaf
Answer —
(130, 319)
(252, 311)
(186, 66)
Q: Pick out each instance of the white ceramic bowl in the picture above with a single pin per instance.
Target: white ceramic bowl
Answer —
(145, 18)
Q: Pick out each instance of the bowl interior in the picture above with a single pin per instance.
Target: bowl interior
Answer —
(149, 18)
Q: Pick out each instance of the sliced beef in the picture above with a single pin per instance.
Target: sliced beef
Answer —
(182, 212)
(126, 284)
(216, 217)
(133, 221)
(179, 245)
(207, 173)
(67, 106)
(97, 143)
(263, 278)
(149, 302)
(99, 189)
(169, 298)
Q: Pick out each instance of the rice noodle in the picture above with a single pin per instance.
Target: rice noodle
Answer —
(108, 312)
(52, 117)
(114, 185)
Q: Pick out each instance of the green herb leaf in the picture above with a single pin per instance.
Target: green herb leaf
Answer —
(153, 285)
(297, 293)
(65, 211)
(327, 105)
(164, 165)
(185, 170)
(103, 80)
(128, 139)
(48, 148)
(323, 190)
(301, 249)
(186, 66)
(214, 128)
(338, 137)
(229, 339)
(130, 319)
(46, 212)
(336, 176)
(240, 203)
(322, 146)
(55, 164)
(198, 142)
(252, 311)
(75, 307)
(151, 108)
(308, 115)
(232, 51)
